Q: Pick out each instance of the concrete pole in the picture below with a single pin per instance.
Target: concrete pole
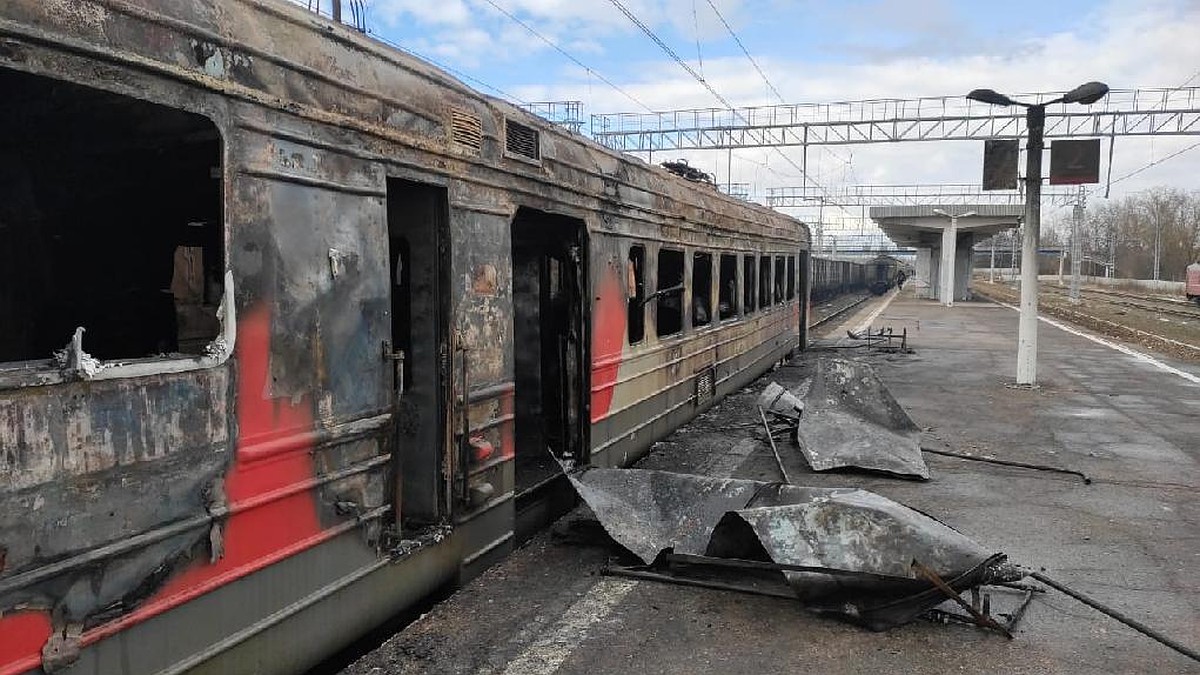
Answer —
(1076, 247)
(949, 254)
(992, 265)
(1012, 254)
(1157, 244)
(1027, 328)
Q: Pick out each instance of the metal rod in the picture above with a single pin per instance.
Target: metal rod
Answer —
(1019, 612)
(739, 563)
(774, 448)
(981, 619)
(1132, 623)
(716, 585)
(1005, 462)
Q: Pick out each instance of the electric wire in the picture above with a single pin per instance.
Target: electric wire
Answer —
(733, 34)
(745, 51)
(1161, 159)
(716, 94)
(1156, 162)
(453, 71)
(565, 53)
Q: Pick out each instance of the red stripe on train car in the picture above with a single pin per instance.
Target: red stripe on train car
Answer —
(608, 339)
(254, 537)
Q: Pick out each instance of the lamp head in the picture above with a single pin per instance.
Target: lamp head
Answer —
(1086, 94)
(990, 96)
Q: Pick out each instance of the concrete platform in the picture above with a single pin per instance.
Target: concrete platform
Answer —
(1131, 539)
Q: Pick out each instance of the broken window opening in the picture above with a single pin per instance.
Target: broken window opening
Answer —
(636, 294)
(701, 289)
(669, 314)
(780, 278)
(749, 296)
(791, 277)
(111, 217)
(727, 293)
(765, 298)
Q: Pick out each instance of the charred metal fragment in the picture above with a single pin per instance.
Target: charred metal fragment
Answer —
(844, 552)
(851, 420)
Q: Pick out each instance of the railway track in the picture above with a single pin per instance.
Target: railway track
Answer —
(1117, 329)
(1133, 301)
(855, 302)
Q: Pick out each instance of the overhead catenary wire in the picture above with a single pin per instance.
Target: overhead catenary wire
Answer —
(745, 51)
(449, 69)
(1157, 161)
(761, 73)
(569, 56)
(712, 90)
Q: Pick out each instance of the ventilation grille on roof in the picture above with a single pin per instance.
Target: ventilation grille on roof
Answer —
(521, 140)
(466, 130)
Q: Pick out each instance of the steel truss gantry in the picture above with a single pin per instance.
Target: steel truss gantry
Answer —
(1124, 112)
(905, 195)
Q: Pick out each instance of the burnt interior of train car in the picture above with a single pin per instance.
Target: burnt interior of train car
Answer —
(110, 218)
(549, 344)
(668, 311)
(417, 219)
(749, 275)
(727, 303)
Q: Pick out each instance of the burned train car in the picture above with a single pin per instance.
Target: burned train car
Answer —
(291, 321)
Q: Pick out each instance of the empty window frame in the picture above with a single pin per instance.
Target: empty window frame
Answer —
(669, 292)
(791, 277)
(765, 298)
(727, 291)
(111, 214)
(701, 289)
(780, 278)
(749, 283)
(636, 293)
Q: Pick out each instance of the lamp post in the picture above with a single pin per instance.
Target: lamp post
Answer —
(949, 255)
(1035, 120)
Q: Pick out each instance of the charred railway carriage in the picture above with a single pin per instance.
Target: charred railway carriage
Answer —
(337, 311)
(833, 276)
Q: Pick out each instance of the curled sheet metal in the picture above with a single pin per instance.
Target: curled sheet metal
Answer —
(851, 420)
(856, 547)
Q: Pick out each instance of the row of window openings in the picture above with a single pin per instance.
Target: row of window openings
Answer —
(775, 277)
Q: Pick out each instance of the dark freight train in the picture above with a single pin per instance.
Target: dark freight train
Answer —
(291, 322)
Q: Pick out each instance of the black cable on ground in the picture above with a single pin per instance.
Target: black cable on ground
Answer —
(1005, 462)
(1132, 623)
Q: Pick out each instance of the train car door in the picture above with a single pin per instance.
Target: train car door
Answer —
(418, 354)
(550, 345)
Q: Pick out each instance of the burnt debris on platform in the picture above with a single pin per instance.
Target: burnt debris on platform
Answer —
(847, 419)
(845, 552)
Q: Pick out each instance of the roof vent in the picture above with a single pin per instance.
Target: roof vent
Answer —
(466, 130)
(521, 140)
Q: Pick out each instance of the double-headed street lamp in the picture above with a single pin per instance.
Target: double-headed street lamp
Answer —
(1035, 120)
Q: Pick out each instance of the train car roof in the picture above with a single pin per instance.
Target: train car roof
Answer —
(278, 54)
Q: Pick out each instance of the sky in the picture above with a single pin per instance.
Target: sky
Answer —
(814, 51)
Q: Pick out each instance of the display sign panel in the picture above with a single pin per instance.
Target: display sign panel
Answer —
(1075, 162)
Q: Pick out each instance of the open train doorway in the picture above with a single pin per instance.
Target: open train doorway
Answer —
(550, 345)
(418, 374)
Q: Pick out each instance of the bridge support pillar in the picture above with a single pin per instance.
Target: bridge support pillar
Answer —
(923, 285)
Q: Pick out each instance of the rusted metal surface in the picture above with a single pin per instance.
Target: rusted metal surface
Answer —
(844, 552)
(851, 420)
